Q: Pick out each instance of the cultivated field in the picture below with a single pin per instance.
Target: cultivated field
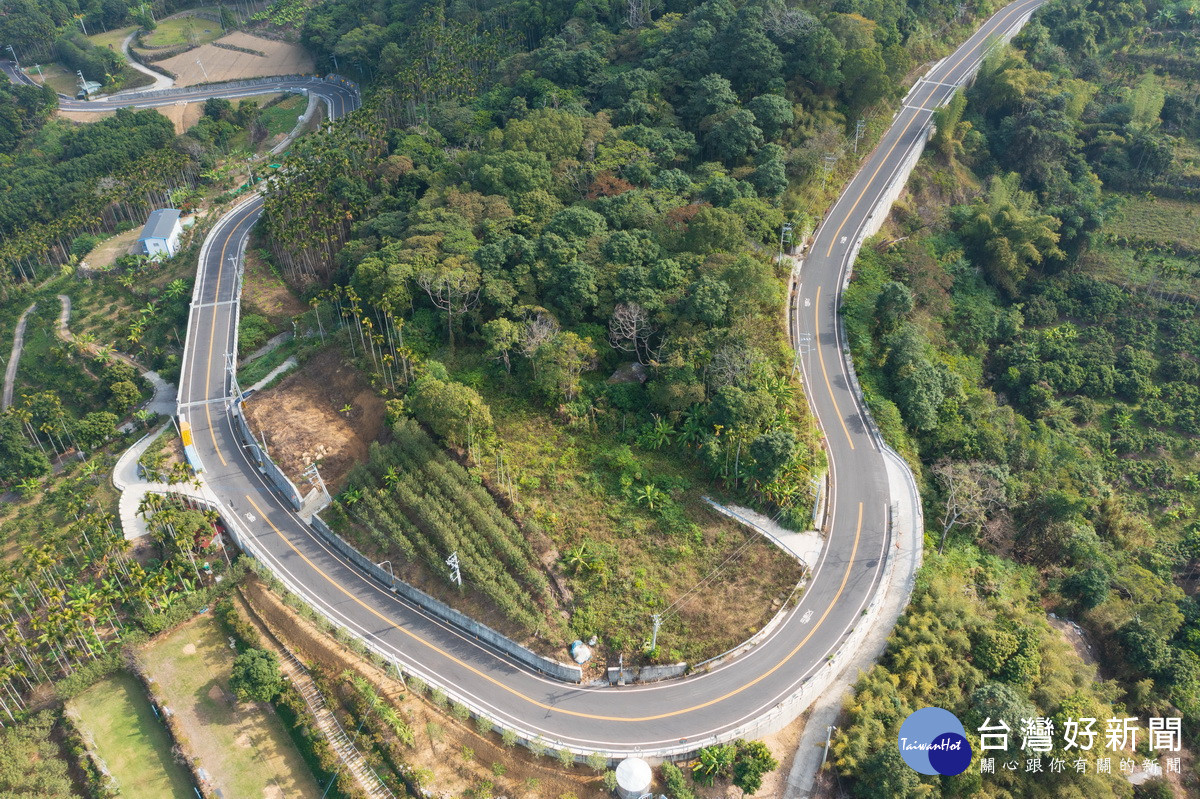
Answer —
(116, 715)
(218, 64)
(243, 747)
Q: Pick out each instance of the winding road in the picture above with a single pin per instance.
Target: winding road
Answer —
(340, 96)
(676, 716)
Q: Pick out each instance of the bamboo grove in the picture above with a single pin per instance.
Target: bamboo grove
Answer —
(411, 502)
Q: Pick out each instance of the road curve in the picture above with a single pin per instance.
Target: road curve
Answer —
(678, 715)
(340, 95)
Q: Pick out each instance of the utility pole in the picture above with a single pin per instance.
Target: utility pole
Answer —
(828, 734)
(785, 231)
(657, 617)
(13, 53)
(859, 127)
(455, 572)
(231, 369)
(81, 25)
(202, 69)
(829, 160)
(83, 83)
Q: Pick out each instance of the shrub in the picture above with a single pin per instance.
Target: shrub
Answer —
(256, 676)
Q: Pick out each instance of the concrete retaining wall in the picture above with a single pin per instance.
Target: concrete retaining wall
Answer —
(265, 465)
(551, 668)
(645, 673)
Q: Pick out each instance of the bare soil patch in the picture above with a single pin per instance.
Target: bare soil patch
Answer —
(108, 251)
(182, 115)
(219, 64)
(264, 293)
(1073, 635)
(84, 116)
(325, 412)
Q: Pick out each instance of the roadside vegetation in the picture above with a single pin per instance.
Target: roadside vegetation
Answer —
(1027, 333)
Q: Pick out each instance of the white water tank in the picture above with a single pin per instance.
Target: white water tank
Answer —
(633, 778)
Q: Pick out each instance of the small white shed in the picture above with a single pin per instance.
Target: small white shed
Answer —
(160, 236)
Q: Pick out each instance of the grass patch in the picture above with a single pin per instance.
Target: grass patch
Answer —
(259, 368)
(243, 747)
(1165, 274)
(57, 77)
(117, 717)
(280, 118)
(112, 39)
(581, 488)
(184, 29)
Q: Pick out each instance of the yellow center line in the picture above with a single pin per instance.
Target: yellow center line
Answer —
(821, 357)
(212, 332)
(846, 217)
(543, 706)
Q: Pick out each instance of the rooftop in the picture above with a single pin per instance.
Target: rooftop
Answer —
(160, 224)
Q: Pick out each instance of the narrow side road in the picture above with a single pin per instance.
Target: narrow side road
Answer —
(14, 358)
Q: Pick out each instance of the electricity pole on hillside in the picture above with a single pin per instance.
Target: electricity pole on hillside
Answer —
(13, 53)
(859, 127)
(829, 161)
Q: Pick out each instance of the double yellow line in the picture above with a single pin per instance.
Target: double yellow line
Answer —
(386, 620)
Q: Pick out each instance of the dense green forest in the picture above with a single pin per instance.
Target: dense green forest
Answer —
(1029, 334)
(587, 229)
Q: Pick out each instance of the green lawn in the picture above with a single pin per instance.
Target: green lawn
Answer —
(113, 38)
(282, 117)
(243, 746)
(132, 741)
(185, 29)
(59, 79)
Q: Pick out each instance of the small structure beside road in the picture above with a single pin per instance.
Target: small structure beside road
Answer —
(160, 236)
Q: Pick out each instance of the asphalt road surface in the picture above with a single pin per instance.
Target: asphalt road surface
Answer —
(629, 719)
(340, 97)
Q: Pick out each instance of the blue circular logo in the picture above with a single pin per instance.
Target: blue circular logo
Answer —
(933, 741)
